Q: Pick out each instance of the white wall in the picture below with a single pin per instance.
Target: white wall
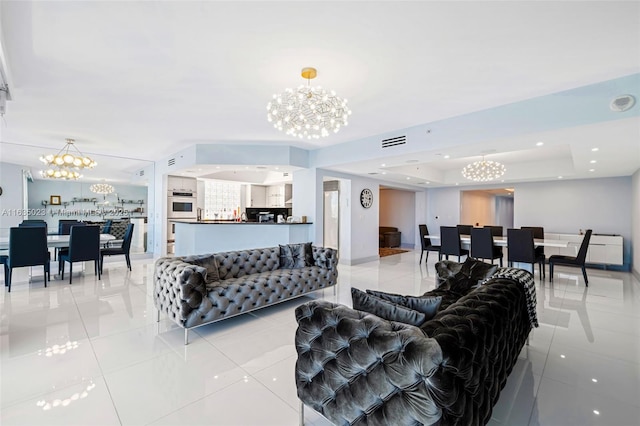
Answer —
(11, 200)
(397, 208)
(635, 223)
(364, 222)
(563, 206)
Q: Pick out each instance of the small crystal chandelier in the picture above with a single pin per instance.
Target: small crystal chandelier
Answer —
(483, 171)
(308, 112)
(65, 164)
(102, 188)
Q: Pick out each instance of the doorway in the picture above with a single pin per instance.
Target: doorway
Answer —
(487, 207)
(331, 215)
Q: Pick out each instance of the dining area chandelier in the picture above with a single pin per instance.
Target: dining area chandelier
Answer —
(102, 188)
(483, 170)
(308, 112)
(67, 163)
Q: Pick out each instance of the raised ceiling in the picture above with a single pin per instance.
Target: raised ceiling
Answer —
(134, 82)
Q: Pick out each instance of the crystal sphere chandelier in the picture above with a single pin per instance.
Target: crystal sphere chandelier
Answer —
(308, 112)
(102, 188)
(65, 164)
(483, 171)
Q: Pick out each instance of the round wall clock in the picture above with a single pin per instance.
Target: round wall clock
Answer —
(366, 198)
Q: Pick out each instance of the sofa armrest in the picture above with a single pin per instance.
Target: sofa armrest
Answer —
(179, 287)
(325, 257)
(353, 367)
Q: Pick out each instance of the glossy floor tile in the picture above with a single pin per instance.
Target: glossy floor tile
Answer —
(92, 353)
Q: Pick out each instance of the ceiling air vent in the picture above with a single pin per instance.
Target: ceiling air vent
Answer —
(171, 162)
(373, 173)
(141, 173)
(399, 140)
(622, 103)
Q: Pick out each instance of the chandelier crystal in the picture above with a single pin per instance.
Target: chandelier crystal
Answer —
(484, 170)
(308, 112)
(101, 188)
(66, 163)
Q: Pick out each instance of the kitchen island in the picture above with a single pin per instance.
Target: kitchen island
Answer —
(193, 237)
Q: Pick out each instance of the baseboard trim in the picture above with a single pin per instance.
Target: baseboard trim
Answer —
(635, 273)
(359, 260)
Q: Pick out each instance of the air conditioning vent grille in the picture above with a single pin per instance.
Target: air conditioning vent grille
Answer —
(171, 162)
(141, 172)
(399, 140)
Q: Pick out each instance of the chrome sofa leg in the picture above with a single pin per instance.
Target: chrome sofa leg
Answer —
(186, 336)
(158, 317)
(528, 335)
(301, 413)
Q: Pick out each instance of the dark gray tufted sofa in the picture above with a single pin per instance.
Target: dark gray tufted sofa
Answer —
(248, 280)
(355, 368)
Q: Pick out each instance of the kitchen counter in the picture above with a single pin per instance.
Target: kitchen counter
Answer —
(193, 237)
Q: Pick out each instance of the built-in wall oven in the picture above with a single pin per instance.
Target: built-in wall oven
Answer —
(181, 205)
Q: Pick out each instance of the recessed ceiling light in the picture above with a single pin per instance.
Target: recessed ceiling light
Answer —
(595, 149)
(384, 173)
(594, 380)
(592, 170)
(457, 184)
(447, 156)
(277, 168)
(217, 167)
(559, 177)
(596, 412)
(593, 161)
(539, 143)
(408, 178)
(383, 165)
(562, 356)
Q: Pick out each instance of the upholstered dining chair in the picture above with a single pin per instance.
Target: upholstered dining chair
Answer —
(27, 247)
(465, 229)
(538, 232)
(577, 261)
(496, 231)
(84, 245)
(450, 243)
(426, 244)
(482, 246)
(122, 250)
(520, 248)
(64, 226)
(33, 222)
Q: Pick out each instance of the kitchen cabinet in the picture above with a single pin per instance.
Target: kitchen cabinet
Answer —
(256, 196)
(185, 184)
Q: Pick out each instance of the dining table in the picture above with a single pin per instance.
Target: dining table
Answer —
(57, 241)
(501, 241)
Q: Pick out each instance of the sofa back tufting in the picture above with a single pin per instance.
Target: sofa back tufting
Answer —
(236, 264)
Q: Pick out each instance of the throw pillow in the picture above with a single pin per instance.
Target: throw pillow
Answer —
(208, 262)
(308, 254)
(446, 269)
(428, 305)
(292, 256)
(478, 270)
(385, 309)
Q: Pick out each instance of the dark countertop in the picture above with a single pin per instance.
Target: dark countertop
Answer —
(225, 222)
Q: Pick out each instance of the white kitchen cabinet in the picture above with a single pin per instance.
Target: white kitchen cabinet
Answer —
(178, 183)
(256, 196)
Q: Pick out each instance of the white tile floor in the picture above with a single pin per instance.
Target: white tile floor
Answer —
(91, 353)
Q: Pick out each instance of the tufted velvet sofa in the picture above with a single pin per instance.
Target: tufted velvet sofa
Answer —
(243, 281)
(355, 368)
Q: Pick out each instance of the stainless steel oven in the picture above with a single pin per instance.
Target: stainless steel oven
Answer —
(181, 205)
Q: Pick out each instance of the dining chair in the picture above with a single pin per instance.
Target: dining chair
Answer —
(482, 246)
(84, 245)
(450, 243)
(465, 229)
(64, 226)
(426, 244)
(520, 248)
(578, 261)
(106, 228)
(27, 247)
(122, 250)
(496, 231)
(538, 232)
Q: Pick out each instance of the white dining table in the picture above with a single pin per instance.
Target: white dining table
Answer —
(56, 241)
(502, 241)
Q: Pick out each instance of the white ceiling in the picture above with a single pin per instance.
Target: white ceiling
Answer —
(134, 82)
